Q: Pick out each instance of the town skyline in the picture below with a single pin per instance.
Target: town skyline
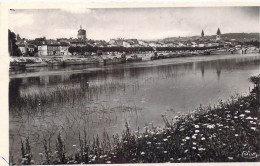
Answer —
(139, 23)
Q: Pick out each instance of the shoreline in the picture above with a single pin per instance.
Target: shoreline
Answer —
(228, 132)
(22, 63)
(127, 65)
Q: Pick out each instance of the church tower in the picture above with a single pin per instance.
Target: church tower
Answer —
(202, 34)
(82, 34)
(218, 35)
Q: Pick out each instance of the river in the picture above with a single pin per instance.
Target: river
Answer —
(50, 100)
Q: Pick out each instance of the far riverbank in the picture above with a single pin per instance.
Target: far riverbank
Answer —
(88, 67)
(22, 63)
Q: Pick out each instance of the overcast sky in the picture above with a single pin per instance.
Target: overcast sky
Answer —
(140, 23)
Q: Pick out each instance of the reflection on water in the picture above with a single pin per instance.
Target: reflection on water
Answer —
(46, 101)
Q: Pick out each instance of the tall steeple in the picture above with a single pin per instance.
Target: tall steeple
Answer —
(218, 34)
(202, 33)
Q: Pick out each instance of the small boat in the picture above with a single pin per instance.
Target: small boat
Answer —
(134, 58)
(17, 66)
(115, 60)
(36, 64)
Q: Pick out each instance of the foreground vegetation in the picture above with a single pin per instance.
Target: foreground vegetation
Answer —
(227, 132)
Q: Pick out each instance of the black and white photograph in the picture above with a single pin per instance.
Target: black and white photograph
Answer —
(125, 85)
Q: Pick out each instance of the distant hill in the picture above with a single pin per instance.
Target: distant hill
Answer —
(237, 36)
(242, 36)
(181, 38)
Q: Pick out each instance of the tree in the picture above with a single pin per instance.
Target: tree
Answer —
(72, 49)
(78, 49)
(12, 47)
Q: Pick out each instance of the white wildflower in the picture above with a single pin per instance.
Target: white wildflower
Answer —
(247, 111)
(249, 118)
(242, 115)
(211, 126)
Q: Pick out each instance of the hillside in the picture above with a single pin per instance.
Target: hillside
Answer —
(242, 36)
(238, 36)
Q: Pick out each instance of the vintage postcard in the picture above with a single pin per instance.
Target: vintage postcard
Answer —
(130, 83)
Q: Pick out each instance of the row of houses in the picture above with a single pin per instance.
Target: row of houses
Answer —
(53, 48)
(60, 46)
(142, 43)
(43, 47)
(50, 47)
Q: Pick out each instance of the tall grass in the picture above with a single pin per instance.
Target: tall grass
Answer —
(40, 97)
(26, 152)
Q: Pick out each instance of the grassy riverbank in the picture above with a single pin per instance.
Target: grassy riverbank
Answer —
(228, 132)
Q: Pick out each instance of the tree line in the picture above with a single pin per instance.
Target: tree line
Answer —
(93, 49)
(12, 47)
(253, 43)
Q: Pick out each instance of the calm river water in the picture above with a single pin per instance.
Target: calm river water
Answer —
(46, 101)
